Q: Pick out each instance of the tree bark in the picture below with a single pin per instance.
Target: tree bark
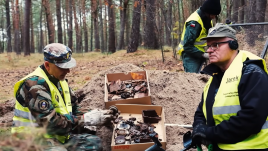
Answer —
(85, 25)
(17, 29)
(260, 16)
(105, 28)
(50, 26)
(251, 10)
(41, 43)
(235, 11)
(150, 39)
(101, 26)
(111, 27)
(27, 27)
(8, 27)
(94, 10)
(32, 32)
(241, 12)
(70, 25)
(77, 30)
(58, 14)
(122, 25)
(135, 33)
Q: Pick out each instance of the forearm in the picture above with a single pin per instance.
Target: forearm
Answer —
(199, 115)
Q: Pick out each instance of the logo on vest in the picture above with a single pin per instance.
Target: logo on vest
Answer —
(43, 105)
(232, 79)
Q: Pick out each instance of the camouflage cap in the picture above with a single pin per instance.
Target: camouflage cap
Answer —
(60, 55)
(221, 30)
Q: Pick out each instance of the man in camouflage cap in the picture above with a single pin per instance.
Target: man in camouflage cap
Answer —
(44, 99)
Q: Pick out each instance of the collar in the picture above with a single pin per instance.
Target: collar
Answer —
(211, 70)
(54, 80)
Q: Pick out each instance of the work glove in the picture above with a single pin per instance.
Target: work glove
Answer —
(205, 55)
(199, 135)
(98, 117)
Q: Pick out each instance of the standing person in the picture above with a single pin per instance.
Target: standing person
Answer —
(232, 114)
(44, 99)
(191, 47)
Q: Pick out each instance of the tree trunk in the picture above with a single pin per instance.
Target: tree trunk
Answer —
(17, 29)
(8, 27)
(251, 11)
(111, 27)
(94, 10)
(85, 25)
(127, 27)
(235, 11)
(241, 12)
(70, 26)
(91, 34)
(101, 26)
(50, 26)
(26, 26)
(150, 39)
(41, 43)
(122, 25)
(105, 28)
(32, 44)
(168, 22)
(77, 30)
(135, 33)
(58, 13)
(260, 16)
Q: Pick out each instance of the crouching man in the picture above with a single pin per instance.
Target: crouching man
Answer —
(44, 100)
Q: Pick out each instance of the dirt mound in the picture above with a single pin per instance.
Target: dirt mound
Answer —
(6, 112)
(178, 92)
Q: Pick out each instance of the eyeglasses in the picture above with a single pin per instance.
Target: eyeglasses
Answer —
(215, 45)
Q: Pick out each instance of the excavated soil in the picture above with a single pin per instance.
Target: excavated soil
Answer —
(178, 92)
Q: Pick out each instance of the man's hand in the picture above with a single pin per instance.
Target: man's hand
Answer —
(99, 117)
(199, 135)
(205, 55)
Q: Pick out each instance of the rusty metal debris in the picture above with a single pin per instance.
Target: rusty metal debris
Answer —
(118, 90)
(150, 116)
(131, 131)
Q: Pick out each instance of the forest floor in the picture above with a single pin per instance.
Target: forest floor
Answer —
(178, 92)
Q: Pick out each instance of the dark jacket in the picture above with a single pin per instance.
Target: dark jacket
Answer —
(192, 33)
(253, 96)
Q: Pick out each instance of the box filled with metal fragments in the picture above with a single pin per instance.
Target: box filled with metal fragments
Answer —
(127, 88)
(134, 130)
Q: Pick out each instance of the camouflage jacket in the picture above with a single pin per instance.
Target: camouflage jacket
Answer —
(34, 90)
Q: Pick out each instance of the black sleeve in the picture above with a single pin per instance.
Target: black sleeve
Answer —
(253, 96)
(191, 34)
(199, 115)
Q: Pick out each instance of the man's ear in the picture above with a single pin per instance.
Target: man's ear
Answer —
(47, 65)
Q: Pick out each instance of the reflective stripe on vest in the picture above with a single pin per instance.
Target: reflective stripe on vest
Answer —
(20, 123)
(199, 44)
(22, 115)
(227, 103)
(26, 115)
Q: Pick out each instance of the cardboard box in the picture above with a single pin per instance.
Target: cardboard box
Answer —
(135, 110)
(124, 77)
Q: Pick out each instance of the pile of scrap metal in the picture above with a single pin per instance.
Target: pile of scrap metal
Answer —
(119, 90)
(127, 132)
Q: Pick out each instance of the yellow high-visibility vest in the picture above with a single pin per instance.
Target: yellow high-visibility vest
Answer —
(227, 103)
(23, 121)
(199, 44)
